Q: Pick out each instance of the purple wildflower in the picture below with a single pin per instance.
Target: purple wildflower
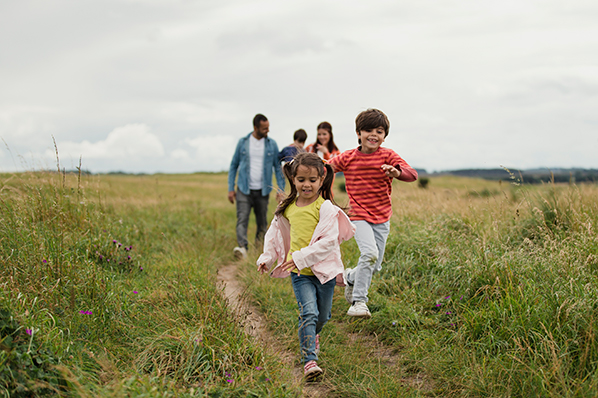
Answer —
(45, 261)
(29, 332)
(229, 380)
(447, 297)
(259, 368)
(448, 312)
(140, 268)
(101, 257)
(135, 292)
(439, 305)
(394, 324)
(128, 257)
(114, 241)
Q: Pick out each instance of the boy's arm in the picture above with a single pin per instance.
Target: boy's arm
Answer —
(407, 173)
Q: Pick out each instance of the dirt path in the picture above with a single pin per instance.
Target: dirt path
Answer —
(255, 326)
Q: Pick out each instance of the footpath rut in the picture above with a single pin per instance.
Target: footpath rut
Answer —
(255, 326)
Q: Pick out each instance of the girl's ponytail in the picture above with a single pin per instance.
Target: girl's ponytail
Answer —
(326, 188)
(289, 170)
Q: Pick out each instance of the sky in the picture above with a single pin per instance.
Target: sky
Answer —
(147, 86)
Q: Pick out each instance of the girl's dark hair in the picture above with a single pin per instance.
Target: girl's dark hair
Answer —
(328, 127)
(310, 160)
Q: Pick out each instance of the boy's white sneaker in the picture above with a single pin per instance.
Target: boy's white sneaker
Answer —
(359, 309)
(240, 252)
(348, 287)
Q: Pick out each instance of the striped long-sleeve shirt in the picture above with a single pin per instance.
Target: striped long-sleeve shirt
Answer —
(368, 187)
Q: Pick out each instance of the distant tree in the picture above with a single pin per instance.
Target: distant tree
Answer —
(423, 182)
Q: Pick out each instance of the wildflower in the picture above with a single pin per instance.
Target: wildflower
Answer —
(86, 312)
(461, 298)
(140, 268)
(114, 241)
(119, 244)
(448, 312)
(447, 297)
(135, 292)
(259, 368)
(128, 257)
(45, 261)
(229, 380)
(394, 324)
(439, 305)
(29, 332)
(452, 324)
(267, 379)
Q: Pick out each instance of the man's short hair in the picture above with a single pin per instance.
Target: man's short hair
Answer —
(372, 119)
(300, 135)
(259, 118)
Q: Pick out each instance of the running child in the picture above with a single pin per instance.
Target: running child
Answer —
(369, 170)
(304, 239)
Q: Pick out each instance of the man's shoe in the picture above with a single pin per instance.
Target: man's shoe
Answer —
(240, 252)
(359, 309)
(348, 287)
(311, 371)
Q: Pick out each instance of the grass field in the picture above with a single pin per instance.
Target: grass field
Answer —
(487, 290)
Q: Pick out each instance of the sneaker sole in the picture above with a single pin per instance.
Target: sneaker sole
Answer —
(314, 375)
(363, 316)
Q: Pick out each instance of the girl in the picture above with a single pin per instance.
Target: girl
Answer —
(304, 238)
(324, 145)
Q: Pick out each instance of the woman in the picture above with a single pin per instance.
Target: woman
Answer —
(324, 145)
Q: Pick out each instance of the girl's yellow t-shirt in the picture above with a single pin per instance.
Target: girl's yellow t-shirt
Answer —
(303, 222)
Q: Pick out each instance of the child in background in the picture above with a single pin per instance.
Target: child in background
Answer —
(369, 170)
(304, 238)
(289, 152)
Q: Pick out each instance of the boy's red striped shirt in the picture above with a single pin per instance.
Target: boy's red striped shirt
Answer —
(368, 187)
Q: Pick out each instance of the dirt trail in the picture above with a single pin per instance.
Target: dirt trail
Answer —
(255, 326)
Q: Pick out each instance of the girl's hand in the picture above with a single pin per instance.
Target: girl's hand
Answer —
(262, 268)
(289, 266)
(391, 171)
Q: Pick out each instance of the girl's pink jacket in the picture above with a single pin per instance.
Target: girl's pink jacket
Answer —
(323, 255)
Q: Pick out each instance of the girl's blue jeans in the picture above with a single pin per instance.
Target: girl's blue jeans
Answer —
(315, 304)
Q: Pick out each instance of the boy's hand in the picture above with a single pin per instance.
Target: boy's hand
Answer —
(262, 268)
(391, 171)
(289, 266)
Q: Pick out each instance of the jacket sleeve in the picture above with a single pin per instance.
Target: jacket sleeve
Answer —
(234, 165)
(271, 248)
(320, 249)
(277, 169)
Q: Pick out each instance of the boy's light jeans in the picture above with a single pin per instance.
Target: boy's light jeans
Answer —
(371, 240)
(315, 306)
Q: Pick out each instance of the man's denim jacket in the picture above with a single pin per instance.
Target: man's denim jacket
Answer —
(240, 162)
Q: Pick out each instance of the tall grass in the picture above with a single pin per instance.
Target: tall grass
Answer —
(487, 289)
(109, 289)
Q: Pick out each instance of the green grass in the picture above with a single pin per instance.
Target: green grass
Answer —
(487, 290)
(156, 324)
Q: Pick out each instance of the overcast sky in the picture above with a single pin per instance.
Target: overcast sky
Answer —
(171, 85)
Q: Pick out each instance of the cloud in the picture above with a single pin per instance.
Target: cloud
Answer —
(212, 152)
(132, 141)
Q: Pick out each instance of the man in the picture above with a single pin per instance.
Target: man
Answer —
(255, 157)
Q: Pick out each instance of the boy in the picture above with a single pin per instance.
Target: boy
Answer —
(369, 170)
(288, 153)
